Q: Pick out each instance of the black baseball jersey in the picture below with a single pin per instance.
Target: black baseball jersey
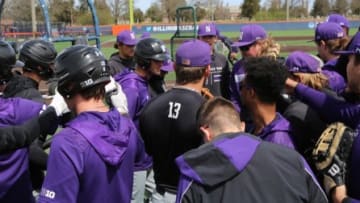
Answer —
(218, 80)
(168, 127)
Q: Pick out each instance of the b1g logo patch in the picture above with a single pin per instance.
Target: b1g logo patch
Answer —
(48, 193)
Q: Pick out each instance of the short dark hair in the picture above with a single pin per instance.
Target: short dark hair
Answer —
(97, 91)
(185, 75)
(218, 113)
(266, 76)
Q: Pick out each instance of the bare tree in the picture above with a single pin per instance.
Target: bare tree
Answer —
(169, 7)
(17, 10)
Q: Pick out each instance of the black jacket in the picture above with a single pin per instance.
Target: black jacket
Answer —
(24, 87)
(239, 167)
(117, 64)
(218, 82)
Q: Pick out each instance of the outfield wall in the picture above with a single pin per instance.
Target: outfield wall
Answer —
(354, 24)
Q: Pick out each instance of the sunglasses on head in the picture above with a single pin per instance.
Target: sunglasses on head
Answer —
(246, 48)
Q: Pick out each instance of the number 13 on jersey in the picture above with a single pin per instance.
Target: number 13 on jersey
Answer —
(174, 109)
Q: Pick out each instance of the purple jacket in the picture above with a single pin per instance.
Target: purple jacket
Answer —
(278, 131)
(92, 160)
(336, 81)
(332, 110)
(15, 184)
(137, 93)
(237, 75)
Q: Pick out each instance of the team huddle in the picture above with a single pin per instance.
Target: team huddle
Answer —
(269, 129)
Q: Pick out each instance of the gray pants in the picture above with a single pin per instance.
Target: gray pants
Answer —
(138, 187)
(166, 198)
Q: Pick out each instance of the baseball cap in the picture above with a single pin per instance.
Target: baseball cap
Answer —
(354, 46)
(126, 37)
(249, 34)
(339, 19)
(207, 29)
(193, 53)
(328, 30)
(145, 35)
(302, 62)
(168, 65)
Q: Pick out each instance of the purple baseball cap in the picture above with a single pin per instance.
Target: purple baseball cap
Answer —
(328, 30)
(354, 46)
(302, 62)
(168, 65)
(339, 19)
(145, 35)
(207, 29)
(126, 37)
(249, 34)
(193, 53)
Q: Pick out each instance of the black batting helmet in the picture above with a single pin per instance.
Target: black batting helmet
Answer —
(149, 49)
(7, 60)
(38, 56)
(80, 67)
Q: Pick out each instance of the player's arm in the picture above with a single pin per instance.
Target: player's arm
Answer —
(14, 137)
(61, 183)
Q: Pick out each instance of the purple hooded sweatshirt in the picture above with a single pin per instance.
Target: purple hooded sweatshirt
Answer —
(237, 75)
(137, 93)
(92, 160)
(15, 183)
(278, 131)
(336, 81)
(332, 110)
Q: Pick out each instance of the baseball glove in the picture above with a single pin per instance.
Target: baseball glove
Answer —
(205, 92)
(331, 153)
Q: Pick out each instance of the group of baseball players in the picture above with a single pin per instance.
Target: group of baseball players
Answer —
(118, 133)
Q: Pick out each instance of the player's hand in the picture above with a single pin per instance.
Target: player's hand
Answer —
(117, 96)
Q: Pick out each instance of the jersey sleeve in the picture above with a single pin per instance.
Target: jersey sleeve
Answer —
(316, 194)
(64, 168)
(330, 108)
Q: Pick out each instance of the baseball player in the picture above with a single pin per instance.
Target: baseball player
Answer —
(15, 178)
(150, 54)
(346, 111)
(124, 58)
(218, 80)
(92, 158)
(341, 20)
(238, 167)
(329, 38)
(167, 123)
(38, 57)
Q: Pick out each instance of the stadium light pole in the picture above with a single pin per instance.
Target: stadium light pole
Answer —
(131, 13)
(33, 17)
(287, 10)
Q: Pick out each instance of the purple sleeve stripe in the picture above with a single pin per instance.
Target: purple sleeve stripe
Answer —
(187, 170)
(309, 171)
(183, 187)
(238, 150)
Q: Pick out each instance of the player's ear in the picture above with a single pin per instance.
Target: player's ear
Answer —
(206, 133)
(207, 71)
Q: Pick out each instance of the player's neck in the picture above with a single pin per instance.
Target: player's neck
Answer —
(263, 115)
(92, 104)
(192, 86)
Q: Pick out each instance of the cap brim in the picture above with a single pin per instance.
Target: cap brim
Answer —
(344, 52)
(168, 68)
(160, 57)
(241, 44)
(207, 34)
(18, 64)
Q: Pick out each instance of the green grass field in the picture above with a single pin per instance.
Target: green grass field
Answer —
(108, 50)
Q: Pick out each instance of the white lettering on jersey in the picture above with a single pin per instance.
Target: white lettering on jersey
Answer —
(174, 110)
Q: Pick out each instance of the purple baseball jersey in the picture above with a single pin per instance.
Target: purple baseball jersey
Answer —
(15, 184)
(92, 160)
